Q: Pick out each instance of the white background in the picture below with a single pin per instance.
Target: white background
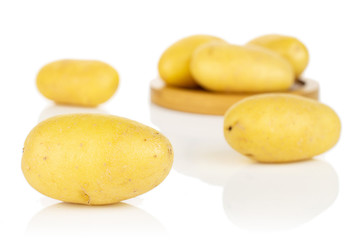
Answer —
(212, 192)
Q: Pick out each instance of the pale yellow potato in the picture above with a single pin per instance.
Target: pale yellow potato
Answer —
(288, 47)
(224, 67)
(78, 82)
(174, 63)
(281, 127)
(95, 159)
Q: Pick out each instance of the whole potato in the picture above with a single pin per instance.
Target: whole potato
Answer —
(95, 159)
(281, 127)
(78, 82)
(288, 47)
(174, 63)
(231, 68)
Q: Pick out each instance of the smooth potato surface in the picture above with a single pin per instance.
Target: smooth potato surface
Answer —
(95, 159)
(174, 63)
(78, 82)
(288, 47)
(231, 68)
(281, 127)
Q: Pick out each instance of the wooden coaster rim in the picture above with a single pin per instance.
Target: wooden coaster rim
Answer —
(213, 103)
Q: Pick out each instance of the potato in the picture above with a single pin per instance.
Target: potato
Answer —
(78, 82)
(95, 159)
(231, 68)
(174, 63)
(288, 47)
(281, 127)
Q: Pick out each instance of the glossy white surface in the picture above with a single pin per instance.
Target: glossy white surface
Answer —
(212, 192)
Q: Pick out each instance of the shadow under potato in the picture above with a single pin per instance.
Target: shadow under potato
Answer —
(68, 219)
(57, 109)
(269, 197)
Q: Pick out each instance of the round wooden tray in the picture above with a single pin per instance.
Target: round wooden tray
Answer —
(206, 102)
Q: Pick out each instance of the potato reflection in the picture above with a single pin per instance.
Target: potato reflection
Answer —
(199, 145)
(274, 197)
(68, 219)
(55, 109)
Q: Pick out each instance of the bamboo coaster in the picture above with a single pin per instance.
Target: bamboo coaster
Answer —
(214, 103)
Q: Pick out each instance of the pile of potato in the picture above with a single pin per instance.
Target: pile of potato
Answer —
(266, 64)
(271, 127)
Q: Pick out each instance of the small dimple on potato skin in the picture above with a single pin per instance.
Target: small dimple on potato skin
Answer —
(86, 197)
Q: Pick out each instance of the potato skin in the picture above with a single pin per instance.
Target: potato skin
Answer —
(288, 47)
(174, 63)
(281, 127)
(95, 159)
(78, 82)
(232, 68)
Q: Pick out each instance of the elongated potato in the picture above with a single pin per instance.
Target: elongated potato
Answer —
(231, 68)
(281, 127)
(174, 63)
(95, 159)
(78, 82)
(288, 47)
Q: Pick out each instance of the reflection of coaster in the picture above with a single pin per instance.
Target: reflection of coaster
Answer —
(206, 102)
